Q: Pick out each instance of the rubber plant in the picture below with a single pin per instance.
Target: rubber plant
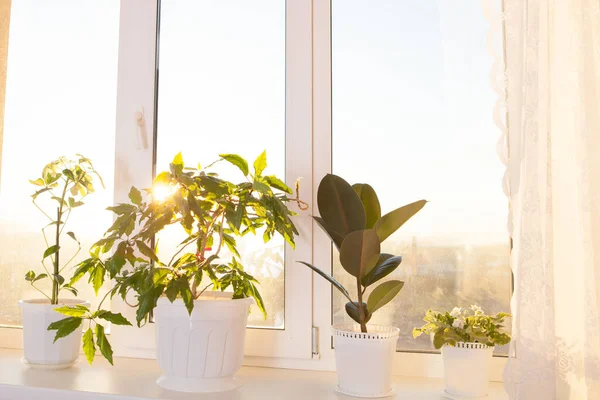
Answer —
(63, 186)
(351, 217)
(212, 212)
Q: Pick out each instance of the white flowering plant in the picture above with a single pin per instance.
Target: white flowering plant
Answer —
(469, 325)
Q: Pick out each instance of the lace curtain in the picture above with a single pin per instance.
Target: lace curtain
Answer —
(552, 50)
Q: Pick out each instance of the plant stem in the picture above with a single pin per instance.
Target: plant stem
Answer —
(59, 213)
(209, 231)
(361, 310)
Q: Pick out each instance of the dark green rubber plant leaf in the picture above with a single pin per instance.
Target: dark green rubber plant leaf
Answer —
(360, 252)
(370, 202)
(333, 235)
(393, 220)
(353, 312)
(330, 278)
(383, 294)
(386, 265)
(340, 206)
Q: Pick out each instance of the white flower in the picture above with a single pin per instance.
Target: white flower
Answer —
(476, 309)
(459, 323)
(456, 312)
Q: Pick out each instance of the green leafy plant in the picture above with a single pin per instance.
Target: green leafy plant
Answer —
(469, 325)
(212, 212)
(351, 217)
(64, 184)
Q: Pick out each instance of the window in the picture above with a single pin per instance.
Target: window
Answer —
(415, 110)
(221, 90)
(361, 89)
(61, 93)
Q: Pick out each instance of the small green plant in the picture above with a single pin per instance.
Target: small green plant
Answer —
(468, 325)
(212, 212)
(351, 217)
(64, 184)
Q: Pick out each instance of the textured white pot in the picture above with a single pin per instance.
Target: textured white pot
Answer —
(466, 370)
(38, 342)
(364, 360)
(201, 352)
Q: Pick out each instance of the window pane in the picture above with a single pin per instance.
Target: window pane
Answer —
(222, 90)
(60, 100)
(412, 116)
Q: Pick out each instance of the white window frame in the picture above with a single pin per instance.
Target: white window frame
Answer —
(405, 363)
(134, 166)
(308, 155)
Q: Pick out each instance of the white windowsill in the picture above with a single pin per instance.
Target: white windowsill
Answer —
(135, 379)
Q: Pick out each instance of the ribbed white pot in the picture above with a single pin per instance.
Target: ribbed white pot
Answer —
(364, 360)
(467, 370)
(201, 352)
(39, 347)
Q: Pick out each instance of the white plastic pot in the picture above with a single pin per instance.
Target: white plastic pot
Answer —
(466, 370)
(201, 352)
(38, 342)
(364, 360)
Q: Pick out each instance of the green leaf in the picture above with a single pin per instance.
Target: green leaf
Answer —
(30, 276)
(38, 182)
(59, 278)
(383, 294)
(72, 311)
(370, 202)
(163, 178)
(70, 288)
(103, 344)
(393, 220)
(260, 186)
(64, 327)
(354, 313)
(386, 265)
(360, 252)
(98, 277)
(236, 218)
(340, 206)
(238, 161)
(178, 159)
(188, 299)
(40, 276)
(88, 345)
(277, 183)
(51, 250)
(36, 194)
(260, 163)
(438, 340)
(146, 250)
(333, 235)
(69, 174)
(82, 268)
(147, 302)
(116, 319)
(331, 279)
(72, 236)
(135, 196)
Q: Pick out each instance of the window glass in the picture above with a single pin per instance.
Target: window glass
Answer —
(412, 116)
(60, 100)
(222, 90)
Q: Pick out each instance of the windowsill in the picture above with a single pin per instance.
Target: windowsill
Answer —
(135, 379)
